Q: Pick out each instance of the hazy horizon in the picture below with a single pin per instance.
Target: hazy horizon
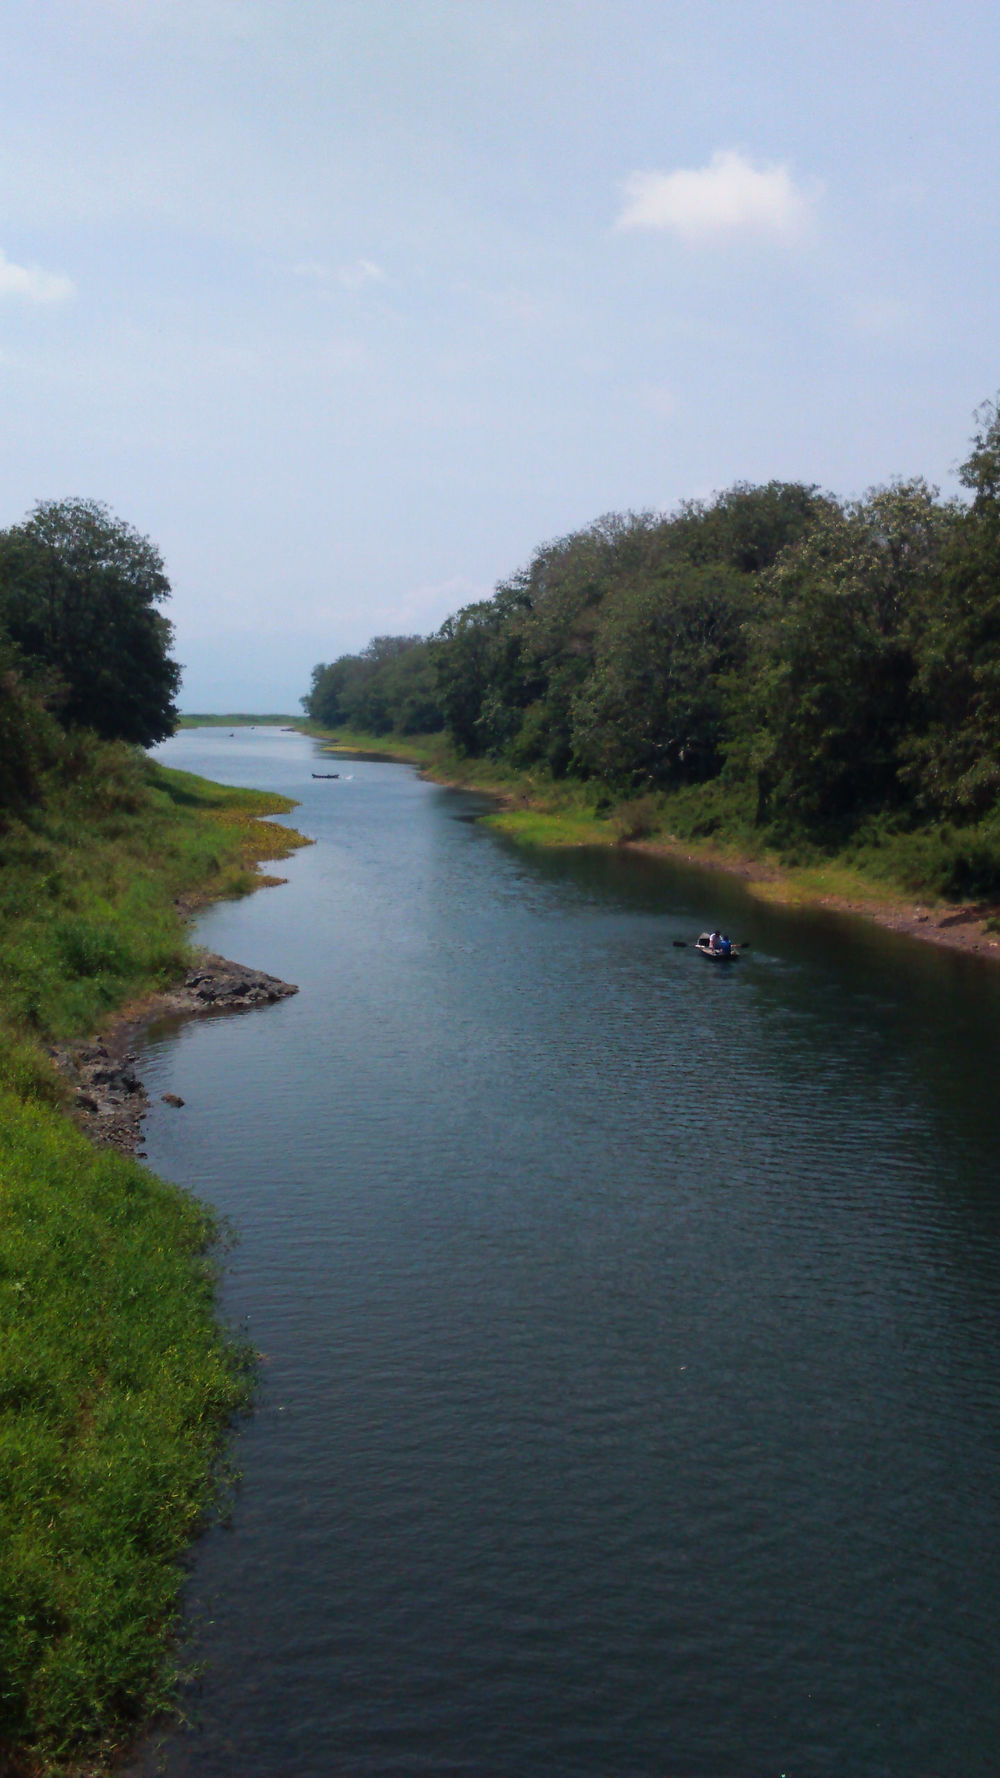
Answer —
(350, 306)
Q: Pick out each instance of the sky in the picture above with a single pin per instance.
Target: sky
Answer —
(351, 304)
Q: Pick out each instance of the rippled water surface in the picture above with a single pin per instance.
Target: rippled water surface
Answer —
(631, 1382)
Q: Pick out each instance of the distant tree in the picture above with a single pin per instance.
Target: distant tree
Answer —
(79, 591)
(410, 704)
(322, 702)
(389, 687)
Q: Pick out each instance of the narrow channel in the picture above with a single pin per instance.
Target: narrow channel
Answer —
(630, 1323)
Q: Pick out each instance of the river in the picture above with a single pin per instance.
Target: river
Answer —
(630, 1323)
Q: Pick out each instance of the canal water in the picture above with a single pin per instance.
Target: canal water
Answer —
(630, 1324)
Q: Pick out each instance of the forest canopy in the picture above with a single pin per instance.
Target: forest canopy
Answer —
(830, 660)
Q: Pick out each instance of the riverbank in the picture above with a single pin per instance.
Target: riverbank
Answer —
(109, 1100)
(117, 1383)
(535, 810)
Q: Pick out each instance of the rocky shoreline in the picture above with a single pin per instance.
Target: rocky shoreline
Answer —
(108, 1098)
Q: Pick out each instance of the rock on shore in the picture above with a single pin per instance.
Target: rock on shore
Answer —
(108, 1096)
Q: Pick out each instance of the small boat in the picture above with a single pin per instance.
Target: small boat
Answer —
(326, 774)
(705, 946)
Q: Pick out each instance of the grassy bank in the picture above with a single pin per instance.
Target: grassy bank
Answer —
(886, 859)
(116, 1381)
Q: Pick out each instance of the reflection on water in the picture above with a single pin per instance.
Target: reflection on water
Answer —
(630, 1394)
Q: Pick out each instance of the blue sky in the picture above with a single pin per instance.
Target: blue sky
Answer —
(349, 304)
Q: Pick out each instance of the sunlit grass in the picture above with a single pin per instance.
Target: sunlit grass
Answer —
(93, 883)
(538, 827)
(115, 1385)
(116, 1381)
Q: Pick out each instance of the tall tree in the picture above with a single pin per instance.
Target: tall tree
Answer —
(652, 710)
(79, 597)
(825, 709)
(955, 760)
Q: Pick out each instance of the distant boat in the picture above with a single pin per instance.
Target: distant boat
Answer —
(705, 946)
(326, 774)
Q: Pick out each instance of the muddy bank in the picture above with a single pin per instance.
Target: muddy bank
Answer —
(108, 1098)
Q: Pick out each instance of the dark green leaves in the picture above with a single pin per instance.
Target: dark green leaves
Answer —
(79, 591)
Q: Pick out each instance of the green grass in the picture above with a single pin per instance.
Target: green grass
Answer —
(90, 883)
(116, 1384)
(116, 1380)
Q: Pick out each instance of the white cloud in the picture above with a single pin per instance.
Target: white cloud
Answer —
(31, 283)
(730, 196)
(363, 271)
(350, 277)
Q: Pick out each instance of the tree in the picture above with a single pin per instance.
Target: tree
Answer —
(79, 591)
(826, 708)
(955, 760)
(389, 686)
(29, 738)
(746, 526)
(476, 658)
(652, 710)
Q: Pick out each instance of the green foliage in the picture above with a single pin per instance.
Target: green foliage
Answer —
(90, 877)
(116, 1381)
(79, 591)
(652, 709)
(29, 738)
(115, 1384)
(390, 686)
(746, 527)
(954, 756)
(825, 710)
(822, 664)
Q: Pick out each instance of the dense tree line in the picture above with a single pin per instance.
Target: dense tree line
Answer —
(83, 643)
(836, 657)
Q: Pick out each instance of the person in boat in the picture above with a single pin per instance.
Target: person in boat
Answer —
(717, 941)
